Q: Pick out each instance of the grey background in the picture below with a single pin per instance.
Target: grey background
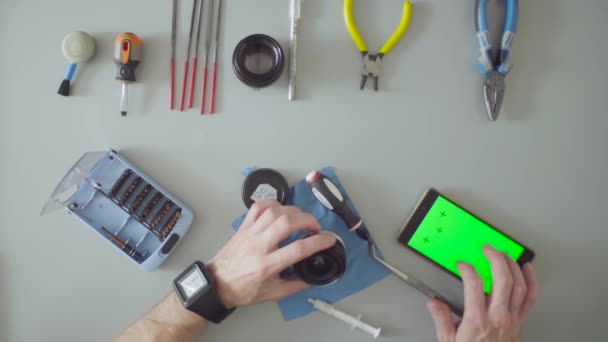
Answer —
(538, 172)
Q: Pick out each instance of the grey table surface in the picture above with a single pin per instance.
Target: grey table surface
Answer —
(539, 172)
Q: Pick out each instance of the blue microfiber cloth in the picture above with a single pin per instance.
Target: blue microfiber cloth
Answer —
(361, 270)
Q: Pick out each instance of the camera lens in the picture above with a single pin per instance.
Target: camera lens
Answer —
(324, 267)
(258, 60)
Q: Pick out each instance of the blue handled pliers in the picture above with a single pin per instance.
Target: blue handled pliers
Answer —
(494, 71)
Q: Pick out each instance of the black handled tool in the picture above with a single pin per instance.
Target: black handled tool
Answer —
(332, 198)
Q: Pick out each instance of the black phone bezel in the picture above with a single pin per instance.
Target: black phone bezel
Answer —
(424, 205)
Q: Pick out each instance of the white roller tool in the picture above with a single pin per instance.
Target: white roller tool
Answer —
(78, 47)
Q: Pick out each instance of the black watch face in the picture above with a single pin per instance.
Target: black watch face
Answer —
(192, 282)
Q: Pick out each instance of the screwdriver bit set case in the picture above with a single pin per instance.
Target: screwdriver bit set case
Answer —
(124, 206)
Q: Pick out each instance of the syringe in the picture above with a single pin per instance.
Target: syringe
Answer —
(354, 322)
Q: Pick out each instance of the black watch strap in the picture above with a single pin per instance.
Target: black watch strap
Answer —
(211, 307)
(207, 303)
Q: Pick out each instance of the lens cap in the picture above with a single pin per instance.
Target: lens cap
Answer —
(262, 184)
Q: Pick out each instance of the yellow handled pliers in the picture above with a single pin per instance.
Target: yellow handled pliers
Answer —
(372, 63)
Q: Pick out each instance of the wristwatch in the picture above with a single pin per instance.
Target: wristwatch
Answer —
(197, 291)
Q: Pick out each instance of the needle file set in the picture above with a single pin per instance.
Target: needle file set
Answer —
(125, 206)
(211, 23)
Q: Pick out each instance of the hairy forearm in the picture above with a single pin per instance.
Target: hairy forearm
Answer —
(168, 321)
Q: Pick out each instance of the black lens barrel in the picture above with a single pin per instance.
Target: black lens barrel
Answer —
(258, 44)
(324, 267)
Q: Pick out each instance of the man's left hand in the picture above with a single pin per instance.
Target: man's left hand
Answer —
(246, 269)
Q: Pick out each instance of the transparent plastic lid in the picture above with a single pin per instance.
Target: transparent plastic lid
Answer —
(72, 181)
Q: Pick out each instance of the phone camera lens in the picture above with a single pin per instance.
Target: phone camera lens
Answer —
(325, 267)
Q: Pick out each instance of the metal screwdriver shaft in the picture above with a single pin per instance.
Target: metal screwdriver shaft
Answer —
(124, 99)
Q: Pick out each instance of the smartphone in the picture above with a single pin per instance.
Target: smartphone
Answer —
(445, 233)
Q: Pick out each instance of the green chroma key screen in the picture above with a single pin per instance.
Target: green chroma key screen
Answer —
(449, 234)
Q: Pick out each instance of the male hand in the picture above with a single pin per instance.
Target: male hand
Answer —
(246, 269)
(496, 318)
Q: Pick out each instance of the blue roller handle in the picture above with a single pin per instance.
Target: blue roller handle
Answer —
(484, 62)
(69, 73)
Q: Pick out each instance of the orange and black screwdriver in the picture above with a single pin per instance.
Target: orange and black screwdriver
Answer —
(127, 56)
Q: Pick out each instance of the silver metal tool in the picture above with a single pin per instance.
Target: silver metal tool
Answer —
(294, 16)
(182, 99)
(216, 21)
(493, 93)
(124, 99)
(409, 280)
(194, 59)
(172, 62)
(208, 28)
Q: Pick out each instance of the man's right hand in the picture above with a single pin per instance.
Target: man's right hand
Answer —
(246, 269)
(496, 318)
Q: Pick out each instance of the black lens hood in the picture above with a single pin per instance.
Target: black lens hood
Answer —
(258, 43)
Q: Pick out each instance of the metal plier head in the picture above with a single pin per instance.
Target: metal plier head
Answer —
(494, 92)
(372, 66)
